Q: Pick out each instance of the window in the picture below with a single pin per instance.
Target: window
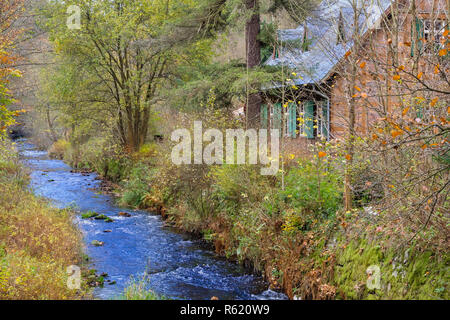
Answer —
(308, 120)
(263, 116)
(433, 34)
(313, 120)
(322, 116)
(275, 116)
(417, 35)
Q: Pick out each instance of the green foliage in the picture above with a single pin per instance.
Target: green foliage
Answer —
(405, 274)
(137, 290)
(313, 187)
(59, 149)
(136, 186)
(89, 214)
(109, 77)
(11, 172)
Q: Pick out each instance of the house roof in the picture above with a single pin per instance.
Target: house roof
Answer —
(324, 51)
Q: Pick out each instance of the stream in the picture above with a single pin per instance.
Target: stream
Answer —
(176, 265)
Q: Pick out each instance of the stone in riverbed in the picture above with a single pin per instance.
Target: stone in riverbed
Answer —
(89, 214)
(97, 243)
(104, 218)
(124, 214)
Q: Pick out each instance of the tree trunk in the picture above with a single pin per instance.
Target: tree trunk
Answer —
(50, 125)
(253, 51)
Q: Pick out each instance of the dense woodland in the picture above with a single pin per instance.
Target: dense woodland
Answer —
(106, 97)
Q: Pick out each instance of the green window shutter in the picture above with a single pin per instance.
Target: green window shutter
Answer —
(263, 116)
(292, 122)
(309, 119)
(418, 24)
(420, 32)
(419, 112)
(325, 113)
(276, 120)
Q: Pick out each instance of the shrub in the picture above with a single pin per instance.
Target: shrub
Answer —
(313, 187)
(137, 186)
(58, 149)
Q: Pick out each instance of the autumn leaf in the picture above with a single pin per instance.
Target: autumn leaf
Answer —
(362, 65)
(348, 53)
(405, 111)
(445, 34)
(322, 154)
(348, 157)
(419, 76)
(433, 102)
(374, 136)
(396, 133)
(436, 69)
(357, 88)
(396, 77)
(364, 95)
(442, 52)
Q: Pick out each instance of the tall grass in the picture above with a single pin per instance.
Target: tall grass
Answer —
(137, 290)
(37, 242)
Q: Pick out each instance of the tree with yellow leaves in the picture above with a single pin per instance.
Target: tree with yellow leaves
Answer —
(9, 12)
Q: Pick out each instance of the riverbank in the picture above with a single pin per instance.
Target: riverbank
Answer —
(134, 245)
(299, 238)
(37, 242)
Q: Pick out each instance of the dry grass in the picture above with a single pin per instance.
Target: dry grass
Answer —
(37, 244)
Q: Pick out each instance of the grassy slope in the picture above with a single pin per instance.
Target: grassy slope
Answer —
(37, 242)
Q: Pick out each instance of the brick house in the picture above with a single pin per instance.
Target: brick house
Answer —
(314, 102)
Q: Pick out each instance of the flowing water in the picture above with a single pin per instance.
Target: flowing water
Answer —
(175, 265)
